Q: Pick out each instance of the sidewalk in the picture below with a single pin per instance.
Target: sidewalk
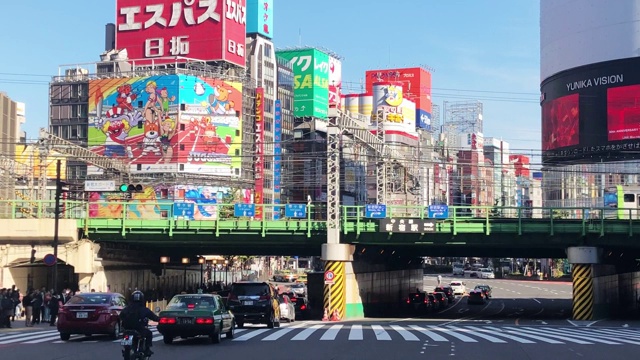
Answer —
(18, 326)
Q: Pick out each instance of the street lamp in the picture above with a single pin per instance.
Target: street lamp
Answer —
(164, 260)
(226, 272)
(185, 261)
(201, 262)
(215, 265)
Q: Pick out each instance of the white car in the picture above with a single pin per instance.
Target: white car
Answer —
(458, 287)
(486, 273)
(287, 309)
(458, 269)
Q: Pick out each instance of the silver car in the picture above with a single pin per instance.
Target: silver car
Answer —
(287, 308)
(299, 289)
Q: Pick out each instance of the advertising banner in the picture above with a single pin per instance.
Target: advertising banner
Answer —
(258, 196)
(136, 120)
(143, 205)
(561, 127)
(311, 82)
(211, 116)
(160, 30)
(335, 82)
(260, 17)
(277, 158)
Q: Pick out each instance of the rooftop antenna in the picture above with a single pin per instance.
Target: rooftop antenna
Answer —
(299, 36)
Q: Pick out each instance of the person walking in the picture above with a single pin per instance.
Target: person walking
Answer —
(28, 308)
(439, 280)
(36, 303)
(54, 305)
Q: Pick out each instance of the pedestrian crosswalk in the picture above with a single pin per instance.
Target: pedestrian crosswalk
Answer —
(424, 332)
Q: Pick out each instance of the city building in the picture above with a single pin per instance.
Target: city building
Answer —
(283, 134)
(11, 116)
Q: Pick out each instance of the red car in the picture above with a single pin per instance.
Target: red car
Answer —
(91, 313)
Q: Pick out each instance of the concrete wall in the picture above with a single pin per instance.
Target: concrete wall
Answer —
(615, 295)
(34, 231)
(381, 293)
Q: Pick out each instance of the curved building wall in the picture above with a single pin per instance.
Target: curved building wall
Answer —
(581, 32)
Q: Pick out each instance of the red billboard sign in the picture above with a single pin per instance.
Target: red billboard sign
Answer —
(416, 84)
(259, 161)
(160, 30)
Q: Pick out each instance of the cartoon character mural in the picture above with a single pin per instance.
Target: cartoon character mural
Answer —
(144, 205)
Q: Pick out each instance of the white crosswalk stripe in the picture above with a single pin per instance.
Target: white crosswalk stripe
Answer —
(315, 331)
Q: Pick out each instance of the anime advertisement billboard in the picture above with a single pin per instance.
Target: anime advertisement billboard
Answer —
(143, 205)
(136, 120)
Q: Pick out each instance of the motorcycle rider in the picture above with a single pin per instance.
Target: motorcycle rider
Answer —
(134, 317)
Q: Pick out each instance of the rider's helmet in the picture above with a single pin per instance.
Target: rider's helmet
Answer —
(137, 296)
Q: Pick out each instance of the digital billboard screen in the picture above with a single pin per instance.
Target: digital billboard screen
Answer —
(592, 113)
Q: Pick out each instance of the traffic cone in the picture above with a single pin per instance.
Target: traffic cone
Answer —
(325, 317)
(335, 316)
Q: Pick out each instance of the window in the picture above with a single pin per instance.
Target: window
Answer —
(267, 50)
(630, 198)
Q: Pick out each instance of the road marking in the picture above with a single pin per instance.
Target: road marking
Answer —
(406, 334)
(17, 338)
(568, 335)
(564, 338)
(356, 332)
(536, 300)
(429, 333)
(331, 333)
(381, 334)
(587, 334)
(486, 337)
(460, 337)
(622, 333)
(304, 334)
(251, 334)
(497, 332)
(535, 337)
(591, 323)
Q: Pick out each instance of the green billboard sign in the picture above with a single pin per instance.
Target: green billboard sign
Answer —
(310, 81)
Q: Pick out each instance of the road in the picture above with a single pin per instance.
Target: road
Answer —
(522, 321)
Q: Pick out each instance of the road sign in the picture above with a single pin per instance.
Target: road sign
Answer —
(416, 226)
(49, 260)
(184, 210)
(438, 211)
(244, 210)
(295, 210)
(328, 277)
(375, 211)
(99, 185)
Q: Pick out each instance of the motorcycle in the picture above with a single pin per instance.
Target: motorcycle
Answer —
(134, 345)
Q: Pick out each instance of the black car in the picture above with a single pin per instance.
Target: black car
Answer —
(486, 289)
(301, 305)
(255, 303)
(476, 296)
(432, 302)
(448, 291)
(416, 302)
(443, 301)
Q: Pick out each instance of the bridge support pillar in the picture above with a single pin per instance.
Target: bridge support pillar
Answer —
(337, 259)
(582, 259)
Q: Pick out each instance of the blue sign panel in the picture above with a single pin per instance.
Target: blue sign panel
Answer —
(423, 120)
(277, 157)
(295, 210)
(375, 211)
(244, 210)
(438, 211)
(184, 210)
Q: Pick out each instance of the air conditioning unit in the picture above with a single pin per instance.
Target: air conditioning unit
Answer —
(77, 74)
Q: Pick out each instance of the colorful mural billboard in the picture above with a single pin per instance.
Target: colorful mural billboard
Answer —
(310, 82)
(136, 120)
(143, 205)
(260, 17)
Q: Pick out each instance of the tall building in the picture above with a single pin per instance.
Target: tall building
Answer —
(10, 120)
(281, 170)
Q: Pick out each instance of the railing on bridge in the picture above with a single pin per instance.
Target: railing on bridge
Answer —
(167, 215)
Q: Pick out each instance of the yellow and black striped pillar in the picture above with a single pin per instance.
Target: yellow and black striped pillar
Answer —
(335, 295)
(582, 292)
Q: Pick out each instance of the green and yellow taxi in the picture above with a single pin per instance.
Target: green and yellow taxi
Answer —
(191, 315)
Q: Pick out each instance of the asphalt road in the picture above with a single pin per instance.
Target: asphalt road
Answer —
(524, 320)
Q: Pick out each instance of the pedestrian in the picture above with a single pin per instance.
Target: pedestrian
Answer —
(36, 303)
(7, 309)
(28, 308)
(53, 305)
(439, 280)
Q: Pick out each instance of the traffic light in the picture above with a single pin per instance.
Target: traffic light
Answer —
(33, 255)
(62, 191)
(131, 188)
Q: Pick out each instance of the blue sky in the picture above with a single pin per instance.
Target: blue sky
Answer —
(480, 50)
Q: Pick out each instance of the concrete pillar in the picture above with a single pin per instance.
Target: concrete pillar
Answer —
(335, 256)
(582, 258)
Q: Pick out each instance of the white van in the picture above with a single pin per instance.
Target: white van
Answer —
(458, 269)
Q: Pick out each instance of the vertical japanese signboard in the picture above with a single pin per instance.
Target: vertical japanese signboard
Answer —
(335, 81)
(260, 17)
(277, 157)
(310, 82)
(259, 161)
(160, 30)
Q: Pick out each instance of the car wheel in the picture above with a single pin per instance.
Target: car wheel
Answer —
(232, 332)
(167, 339)
(65, 336)
(127, 353)
(216, 337)
(240, 324)
(116, 330)
(271, 322)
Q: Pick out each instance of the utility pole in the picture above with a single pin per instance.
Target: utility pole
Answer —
(56, 223)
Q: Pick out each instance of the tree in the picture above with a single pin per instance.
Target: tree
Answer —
(495, 210)
(233, 196)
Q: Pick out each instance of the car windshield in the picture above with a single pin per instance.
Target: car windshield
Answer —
(456, 284)
(250, 289)
(191, 302)
(297, 286)
(486, 270)
(90, 299)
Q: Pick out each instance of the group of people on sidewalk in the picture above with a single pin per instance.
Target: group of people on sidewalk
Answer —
(36, 306)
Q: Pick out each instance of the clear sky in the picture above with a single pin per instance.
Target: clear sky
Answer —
(480, 50)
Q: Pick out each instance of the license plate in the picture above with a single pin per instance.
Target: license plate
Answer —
(126, 341)
(247, 303)
(186, 321)
(81, 315)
